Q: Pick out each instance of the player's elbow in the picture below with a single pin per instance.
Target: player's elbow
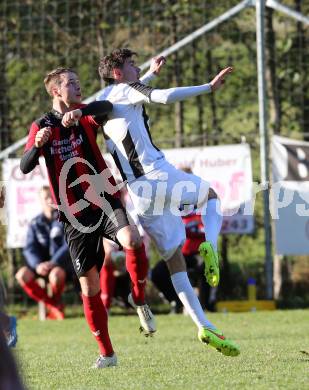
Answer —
(157, 96)
(108, 107)
(165, 100)
(161, 100)
(24, 167)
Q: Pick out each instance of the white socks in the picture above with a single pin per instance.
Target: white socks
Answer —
(212, 220)
(189, 299)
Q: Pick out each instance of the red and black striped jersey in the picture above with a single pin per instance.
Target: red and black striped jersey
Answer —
(78, 175)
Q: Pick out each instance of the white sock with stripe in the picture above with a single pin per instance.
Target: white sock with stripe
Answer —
(212, 220)
(189, 300)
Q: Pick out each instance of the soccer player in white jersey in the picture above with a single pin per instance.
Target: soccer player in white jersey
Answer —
(156, 187)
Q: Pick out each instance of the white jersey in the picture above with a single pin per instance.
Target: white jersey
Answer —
(127, 134)
(129, 141)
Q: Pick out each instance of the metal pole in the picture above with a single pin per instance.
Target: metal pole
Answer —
(202, 30)
(264, 152)
(287, 11)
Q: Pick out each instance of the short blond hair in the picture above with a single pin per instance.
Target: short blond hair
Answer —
(53, 78)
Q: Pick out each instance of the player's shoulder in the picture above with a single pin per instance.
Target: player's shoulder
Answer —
(140, 87)
(113, 92)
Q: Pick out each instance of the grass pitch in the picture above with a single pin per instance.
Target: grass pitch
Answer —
(274, 354)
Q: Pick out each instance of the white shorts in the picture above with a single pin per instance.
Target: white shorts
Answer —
(158, 197)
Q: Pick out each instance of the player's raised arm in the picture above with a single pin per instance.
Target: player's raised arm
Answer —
(171, 95)
(155, 68)
(36, 140)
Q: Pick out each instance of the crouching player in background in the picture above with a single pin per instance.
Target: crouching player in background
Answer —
(47, 255)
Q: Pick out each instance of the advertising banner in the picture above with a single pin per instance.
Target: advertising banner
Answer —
(290, 195)
(227, 168)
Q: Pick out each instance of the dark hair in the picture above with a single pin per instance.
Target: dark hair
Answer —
(113, 60)
(53, 77)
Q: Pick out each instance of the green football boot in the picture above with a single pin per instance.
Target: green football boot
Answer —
(215, 339)
(210, 257)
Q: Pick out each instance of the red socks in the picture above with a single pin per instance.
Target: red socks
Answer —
(96, 316)
(57, 290)
(137, 266)
(107, 282)
(37, 293)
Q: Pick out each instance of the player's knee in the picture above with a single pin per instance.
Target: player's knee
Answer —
(210, 195)
(89, 290)
(176, 263)
(135, 243)
(129, 237)
(90, 282)
(167, 254)
(108, 262)
(171, 255)
(57, 275)
(24, 275)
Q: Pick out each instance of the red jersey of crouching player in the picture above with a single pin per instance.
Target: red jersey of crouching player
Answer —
(194, 234)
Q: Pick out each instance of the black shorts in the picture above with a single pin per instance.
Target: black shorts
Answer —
(86, 248)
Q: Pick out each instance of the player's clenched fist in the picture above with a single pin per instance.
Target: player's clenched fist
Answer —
(42, 136)
(69, 118)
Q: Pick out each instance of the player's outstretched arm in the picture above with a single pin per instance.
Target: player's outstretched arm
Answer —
(172, 95)
(96, 108)
(31, 157)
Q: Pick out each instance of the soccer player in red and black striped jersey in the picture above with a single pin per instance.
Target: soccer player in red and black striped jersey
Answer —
(87, 199)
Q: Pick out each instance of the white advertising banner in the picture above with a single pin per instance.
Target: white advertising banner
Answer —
(22, 200)
(290, 195)
(227, 168)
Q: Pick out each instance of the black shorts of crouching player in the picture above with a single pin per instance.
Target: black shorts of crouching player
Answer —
(86, 248)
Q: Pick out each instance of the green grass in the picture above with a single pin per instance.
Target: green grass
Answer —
(274, 354)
